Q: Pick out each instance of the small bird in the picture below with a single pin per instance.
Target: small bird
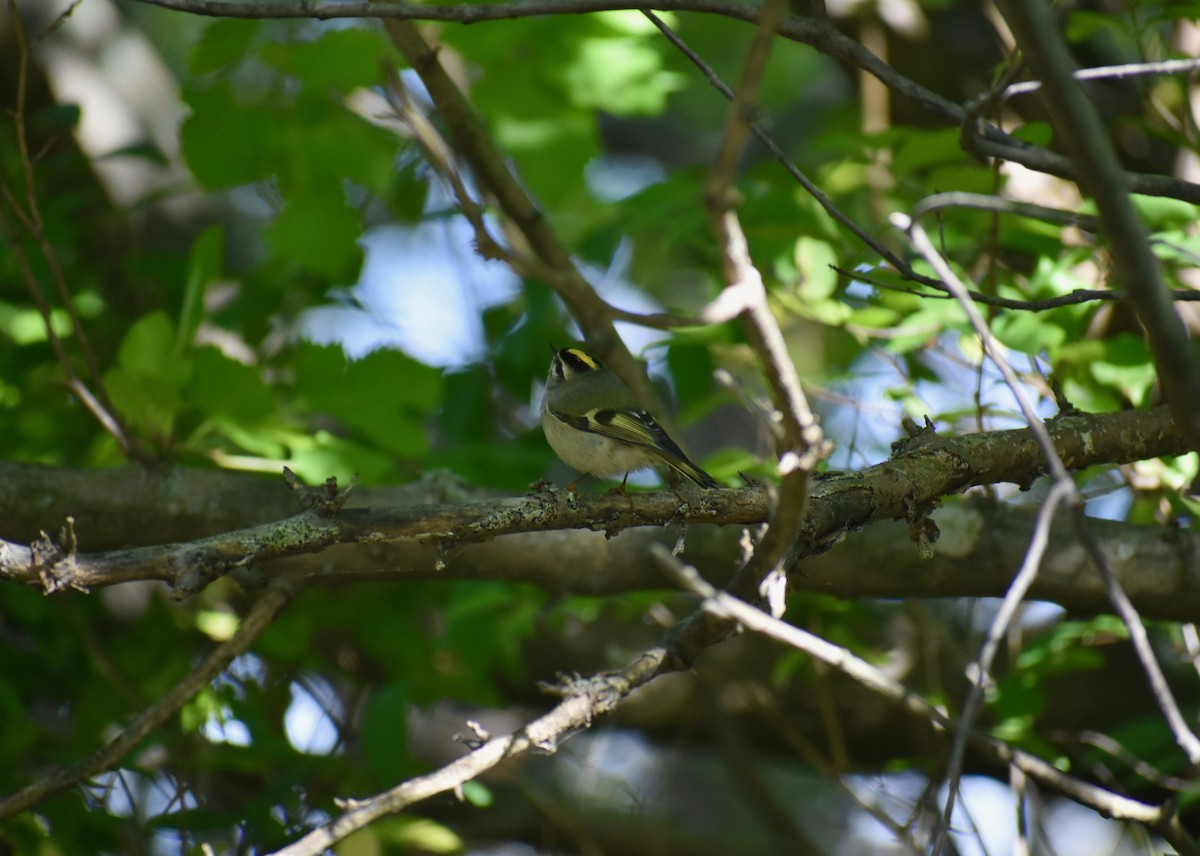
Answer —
(595, 424)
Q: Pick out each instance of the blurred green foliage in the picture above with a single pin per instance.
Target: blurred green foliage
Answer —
(194, 321)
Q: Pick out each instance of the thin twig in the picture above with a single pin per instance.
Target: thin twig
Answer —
(30, 217)
(1078, 123)
(1163, 819)
(1063, 491)
(1108, 745)
(1060, 494)
(54, 25)
(1104, 72)
(1018, 782)
(266, 608)
(1182, 731)
(984, 202)
(473, 142)
(1160, 818)
(1073, 298)
(960, 293)
(441, 157)
(781, 156)
(817, 32)
(740, 273)
(799, 444)
(742, 107)
(1058, 216)
(588, 699)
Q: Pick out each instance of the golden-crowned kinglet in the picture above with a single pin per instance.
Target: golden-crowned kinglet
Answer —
(595, 424)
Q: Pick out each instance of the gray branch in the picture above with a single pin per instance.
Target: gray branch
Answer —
(530, 539)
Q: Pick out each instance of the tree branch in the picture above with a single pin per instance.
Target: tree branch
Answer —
(1163, 819)
(1064, 492)
(934, 467)
(264, 611)
(1159, 566)
(491, 169)
(798, 439)
(587, 700)
(1075, 118)
(29, 216)
(819, 33)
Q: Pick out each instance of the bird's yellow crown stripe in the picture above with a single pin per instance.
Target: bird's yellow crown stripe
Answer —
(583, 358)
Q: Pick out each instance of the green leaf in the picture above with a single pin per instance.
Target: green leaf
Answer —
(466, 415)
(486, 625)
(669, 210)
(206, 706)
(148, 350)
(1160, 213)
(525, 339)
(148, 395)
(408, 192)
(528, 107)
(217, 625)
(1029, 332)
(226, 142)
(340, 59)
(726, 464)
(814, 260)
(1035, 133)
(1091, 398)
(1127, 366)
(225, 387)
(1083, 24)
(692, 370)
(623, 76)
(384, 733)
(342, 145)
(969, 178)
(145, 150)
(319, 231)
(288, 638)
(919, 150)
(874, 318)
(317, 456)
(402, 834)
(223, 43)
(386, 395)
(204, 266)
(478, 794)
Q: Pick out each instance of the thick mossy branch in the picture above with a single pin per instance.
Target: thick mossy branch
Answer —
(428, 534)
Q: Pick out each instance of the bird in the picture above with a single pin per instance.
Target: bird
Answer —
(594, 423)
